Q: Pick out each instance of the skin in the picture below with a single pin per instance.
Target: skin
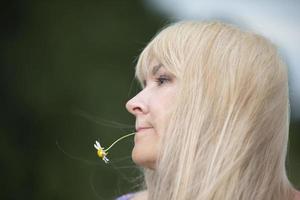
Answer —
(151, 107)
(297, 195)
(143, 195)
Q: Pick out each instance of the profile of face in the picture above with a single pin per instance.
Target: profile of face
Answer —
(151, 108)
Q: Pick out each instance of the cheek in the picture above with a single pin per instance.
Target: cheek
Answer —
(161, 113)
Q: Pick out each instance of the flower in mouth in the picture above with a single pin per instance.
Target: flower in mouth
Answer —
(102, 153)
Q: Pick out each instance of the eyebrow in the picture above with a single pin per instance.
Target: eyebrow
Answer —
(156, 68)
(154, 71)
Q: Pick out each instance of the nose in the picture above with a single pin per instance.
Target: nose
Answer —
(136, 105)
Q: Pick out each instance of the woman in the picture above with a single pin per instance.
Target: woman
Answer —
(212, 119)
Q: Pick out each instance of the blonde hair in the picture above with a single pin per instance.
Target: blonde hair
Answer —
(227, 136)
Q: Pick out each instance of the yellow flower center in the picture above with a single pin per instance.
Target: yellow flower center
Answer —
(101, 153)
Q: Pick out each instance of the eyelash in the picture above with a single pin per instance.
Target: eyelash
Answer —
(162, 79)
(159, 80)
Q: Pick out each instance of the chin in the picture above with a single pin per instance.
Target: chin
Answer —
(143, 159)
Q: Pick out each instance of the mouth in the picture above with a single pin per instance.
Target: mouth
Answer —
(142, 129)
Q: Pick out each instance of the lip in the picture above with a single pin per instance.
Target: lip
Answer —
(142, 128)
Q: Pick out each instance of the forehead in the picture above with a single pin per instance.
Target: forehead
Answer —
(155, 68)
(152, 61)
(151, 68)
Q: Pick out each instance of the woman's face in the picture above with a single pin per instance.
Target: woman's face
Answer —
(152, 107)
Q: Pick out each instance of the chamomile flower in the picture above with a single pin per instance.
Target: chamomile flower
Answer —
(102, 153)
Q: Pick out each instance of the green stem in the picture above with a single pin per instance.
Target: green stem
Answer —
(118, 141)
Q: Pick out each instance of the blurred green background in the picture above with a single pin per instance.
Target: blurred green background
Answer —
(67, 70)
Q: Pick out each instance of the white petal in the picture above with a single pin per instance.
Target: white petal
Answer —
(106, 160)
(96, 146)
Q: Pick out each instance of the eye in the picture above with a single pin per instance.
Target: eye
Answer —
(162, 79)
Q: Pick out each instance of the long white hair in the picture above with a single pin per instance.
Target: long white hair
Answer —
(227, 136)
